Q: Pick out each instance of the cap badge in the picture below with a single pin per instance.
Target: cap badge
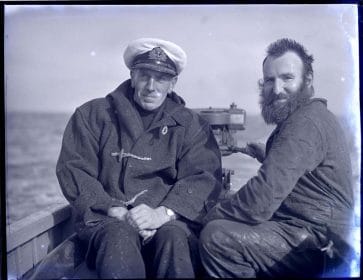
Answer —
(157, 54)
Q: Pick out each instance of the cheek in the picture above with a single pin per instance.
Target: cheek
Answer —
(163, 88)
(266, 91)
(293, 86)
(139, 86)
(266, 95)
(162, 96)
(138, 93)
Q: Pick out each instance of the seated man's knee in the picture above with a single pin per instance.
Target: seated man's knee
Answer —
(213, 236)
(115, 251)
(116, 233)
(171, 234)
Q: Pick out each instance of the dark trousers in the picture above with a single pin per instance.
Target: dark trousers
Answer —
(117, 251)
(271, 249)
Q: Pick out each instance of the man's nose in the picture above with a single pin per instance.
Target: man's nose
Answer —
(278, 87)
(150, 84)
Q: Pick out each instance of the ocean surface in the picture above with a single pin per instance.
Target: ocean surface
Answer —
(33, 142)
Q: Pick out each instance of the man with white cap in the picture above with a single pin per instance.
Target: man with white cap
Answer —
(141, 170)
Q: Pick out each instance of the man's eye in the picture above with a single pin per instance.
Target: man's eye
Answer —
(288, 78)
(163, 79)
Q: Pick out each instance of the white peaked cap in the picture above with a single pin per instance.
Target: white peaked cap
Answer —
(144, 45)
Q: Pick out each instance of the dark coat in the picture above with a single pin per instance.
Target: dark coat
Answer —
(305, 179)
(176, 160)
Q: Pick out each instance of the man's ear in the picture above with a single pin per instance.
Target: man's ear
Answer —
(172, 84)
(132, 75)
(309, 80)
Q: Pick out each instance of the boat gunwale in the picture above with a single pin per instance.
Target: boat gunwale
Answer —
(26, 229)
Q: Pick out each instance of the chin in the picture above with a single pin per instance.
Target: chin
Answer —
(149, 106)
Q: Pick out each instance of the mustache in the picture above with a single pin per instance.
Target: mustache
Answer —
(267, 97)
(152, 93)
(270, 98)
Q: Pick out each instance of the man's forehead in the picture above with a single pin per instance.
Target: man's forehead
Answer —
(288, 62)
(154, 73)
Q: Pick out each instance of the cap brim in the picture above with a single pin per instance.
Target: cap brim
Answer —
(154, 67)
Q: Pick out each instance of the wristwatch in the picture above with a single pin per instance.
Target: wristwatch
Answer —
(170, 213)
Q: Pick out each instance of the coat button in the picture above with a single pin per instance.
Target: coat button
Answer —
(164, 130)
(189, 190)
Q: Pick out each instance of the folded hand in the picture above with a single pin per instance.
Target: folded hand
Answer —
(144, 217)
(117, 212)
(147, 234)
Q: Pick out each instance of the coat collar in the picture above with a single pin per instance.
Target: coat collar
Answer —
(129, 118)
(280, 125)
(313, 100)
(301, 107)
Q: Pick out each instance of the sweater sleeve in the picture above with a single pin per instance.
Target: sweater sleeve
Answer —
(198, 184)
(77, 171)
(298, 148)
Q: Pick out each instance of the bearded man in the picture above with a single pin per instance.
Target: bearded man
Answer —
(298, 208)
(141, 170)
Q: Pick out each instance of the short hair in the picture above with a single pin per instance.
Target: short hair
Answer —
(281, 46)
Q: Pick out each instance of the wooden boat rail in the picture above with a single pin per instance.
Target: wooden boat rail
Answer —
(34, 237)
(44, 246)
(49, 234)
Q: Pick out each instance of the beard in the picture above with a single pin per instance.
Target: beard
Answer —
(275, 113)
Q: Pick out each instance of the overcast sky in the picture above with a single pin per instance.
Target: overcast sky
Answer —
(58, 57)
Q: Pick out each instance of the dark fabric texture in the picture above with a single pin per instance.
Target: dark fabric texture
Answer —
(305, 180)
(271, 249)
(176, 160)
(116, 252)
(175, 163)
